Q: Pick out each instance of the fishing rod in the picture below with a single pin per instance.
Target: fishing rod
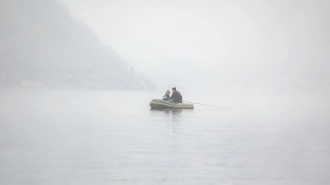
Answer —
(202, 104)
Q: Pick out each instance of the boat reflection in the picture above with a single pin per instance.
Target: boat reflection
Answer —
(172, 111)
(172, 115)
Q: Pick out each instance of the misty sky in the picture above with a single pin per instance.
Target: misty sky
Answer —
(199, 42)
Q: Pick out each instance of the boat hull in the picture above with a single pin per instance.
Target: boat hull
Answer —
(161, 104)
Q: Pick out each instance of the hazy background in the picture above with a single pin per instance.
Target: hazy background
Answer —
(74, 99)
(242, 47)
(42, 45)
(236, 46)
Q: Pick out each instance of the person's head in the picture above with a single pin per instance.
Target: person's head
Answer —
(173, 89)
(167, 92)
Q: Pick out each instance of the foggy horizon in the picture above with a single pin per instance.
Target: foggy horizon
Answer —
(259, 47)
(223, 44)
(83, 92)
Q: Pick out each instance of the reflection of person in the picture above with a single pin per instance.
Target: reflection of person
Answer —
(176, 96)
(167, 97)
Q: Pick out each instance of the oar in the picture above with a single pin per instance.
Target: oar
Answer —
(202, 104)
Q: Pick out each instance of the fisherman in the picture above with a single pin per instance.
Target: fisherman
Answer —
(176, 96)
(167, 97)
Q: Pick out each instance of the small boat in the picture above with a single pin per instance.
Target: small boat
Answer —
(161, 104)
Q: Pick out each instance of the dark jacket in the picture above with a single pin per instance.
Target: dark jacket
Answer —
(176, 97)
(166, 97)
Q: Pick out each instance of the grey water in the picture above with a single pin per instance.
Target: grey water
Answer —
(80, 137)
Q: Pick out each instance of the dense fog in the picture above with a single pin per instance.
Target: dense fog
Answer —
(222, 46)
(42, 45)
(226, 46)
(81, 82)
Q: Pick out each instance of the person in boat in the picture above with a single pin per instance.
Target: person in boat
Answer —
(176, 96)
(167, 96)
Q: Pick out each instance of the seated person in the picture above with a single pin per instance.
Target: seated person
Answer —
(176, 96)
(167, 97)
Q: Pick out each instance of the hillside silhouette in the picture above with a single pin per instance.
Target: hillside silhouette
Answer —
(43, 45)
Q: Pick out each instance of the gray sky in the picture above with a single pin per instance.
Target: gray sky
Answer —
(201, 42)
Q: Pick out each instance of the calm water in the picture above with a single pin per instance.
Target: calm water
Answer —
(99, 137)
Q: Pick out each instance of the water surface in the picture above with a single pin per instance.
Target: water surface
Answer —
(102, 137)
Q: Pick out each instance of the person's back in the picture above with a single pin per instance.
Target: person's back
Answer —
(176, 96)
